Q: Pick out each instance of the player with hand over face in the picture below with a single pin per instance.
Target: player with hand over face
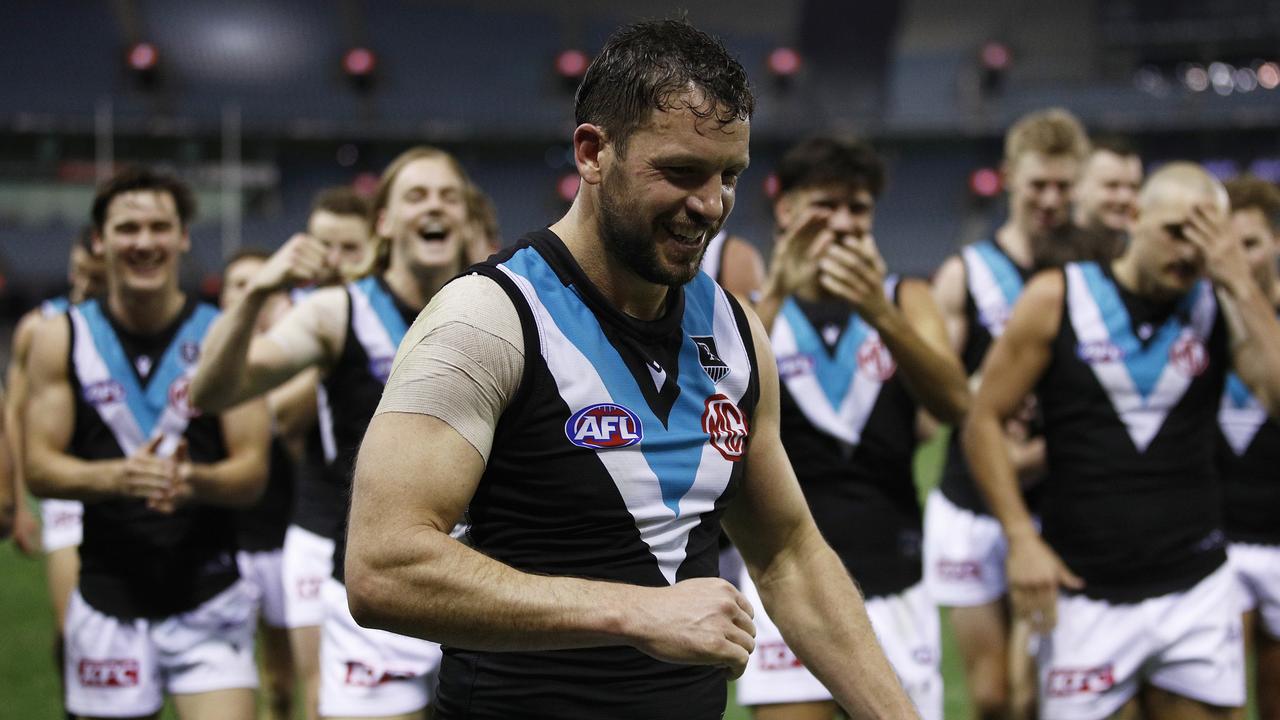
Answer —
(1127, 579)
(859, 351)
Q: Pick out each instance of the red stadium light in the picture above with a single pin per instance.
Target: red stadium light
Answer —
(985, 182)
(365, 184)
(996, 56)
(772, 186)
(1269, 75)
(143, 57)
(567, 186)
(572, 64)
(359, 62)
(784, 62)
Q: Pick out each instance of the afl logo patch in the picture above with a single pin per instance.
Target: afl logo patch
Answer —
(103, 393)
(1188, 356)
(1099, 351)
(726, 426)
(604, 426)
(874, 360)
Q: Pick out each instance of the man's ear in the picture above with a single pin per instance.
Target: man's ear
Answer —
(590, 149)
(784, 210)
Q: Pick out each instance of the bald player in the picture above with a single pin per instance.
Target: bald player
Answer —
(1129, 361)
(1249, 453)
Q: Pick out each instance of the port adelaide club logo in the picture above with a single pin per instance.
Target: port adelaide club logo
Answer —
(604, 426)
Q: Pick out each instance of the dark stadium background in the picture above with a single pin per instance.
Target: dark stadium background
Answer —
(250, 101)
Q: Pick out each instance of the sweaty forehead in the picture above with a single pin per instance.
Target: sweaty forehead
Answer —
(694, 129)
(139, 204)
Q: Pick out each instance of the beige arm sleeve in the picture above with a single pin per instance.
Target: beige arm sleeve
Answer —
(461, 361)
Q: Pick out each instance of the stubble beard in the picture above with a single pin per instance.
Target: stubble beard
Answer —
(631, 242)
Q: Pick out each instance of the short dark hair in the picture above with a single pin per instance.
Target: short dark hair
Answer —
(341, 200)
(137, 178)
(648, 66)
(825, 161)
(1251, 191)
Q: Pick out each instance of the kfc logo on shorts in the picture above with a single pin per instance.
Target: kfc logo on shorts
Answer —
(104, 393)
(1065, 682)
(777, 656)
(725, 424)
(1189, 356)
(180, 397)
(189, 352)
(108, 673)
(604, 426)
(959, 570)
(790, 366)
(1099, 351)
(361, 675)
(874, 360)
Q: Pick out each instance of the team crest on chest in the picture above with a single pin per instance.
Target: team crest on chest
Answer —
(725, 424)
(604, 426)
(874, 360)
(709, 358)
(1188, 356)
(180, 397)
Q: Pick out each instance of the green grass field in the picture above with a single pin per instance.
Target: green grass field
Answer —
(29, 686)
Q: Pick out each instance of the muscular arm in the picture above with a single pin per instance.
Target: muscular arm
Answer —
(235, 365)
(803, 583)
(416, 474)
(949, 291)
(916, 335)
(1255, 341)
(238, 479)
(293, 405)
(1013, 366)
(24, 526)
(50, 415)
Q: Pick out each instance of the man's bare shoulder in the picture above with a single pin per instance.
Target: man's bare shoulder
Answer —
(50, 341)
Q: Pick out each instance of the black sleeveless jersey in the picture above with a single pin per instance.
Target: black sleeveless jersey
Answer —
(848, 425)
(993, 283)
(262, 527)
(319, 504)
(614, 462)
(134, 562)
(377, 322)
(1249, 461)
(1132, 501)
